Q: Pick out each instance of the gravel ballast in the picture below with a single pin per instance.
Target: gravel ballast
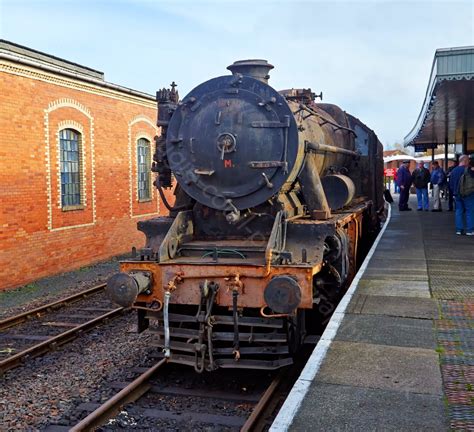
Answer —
(46, 389)
(53, 288)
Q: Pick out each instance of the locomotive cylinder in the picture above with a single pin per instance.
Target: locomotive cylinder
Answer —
(339, 190)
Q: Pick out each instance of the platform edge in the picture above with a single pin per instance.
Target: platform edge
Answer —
(290, 407)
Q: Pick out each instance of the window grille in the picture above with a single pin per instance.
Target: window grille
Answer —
(69, 141)
(143, 161)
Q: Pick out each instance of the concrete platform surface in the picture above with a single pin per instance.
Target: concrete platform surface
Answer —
(330, 407)
(397, 354)
(395, 331)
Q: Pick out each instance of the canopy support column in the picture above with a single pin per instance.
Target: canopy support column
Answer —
(445, 154)
(464, 141)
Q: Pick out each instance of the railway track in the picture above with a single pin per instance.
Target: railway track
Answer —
(45, 328)
(248, 411)
(169, 396)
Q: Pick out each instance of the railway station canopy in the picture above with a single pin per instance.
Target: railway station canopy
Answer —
(447, 114)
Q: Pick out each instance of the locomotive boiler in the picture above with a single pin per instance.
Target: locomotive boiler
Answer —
(276, 197)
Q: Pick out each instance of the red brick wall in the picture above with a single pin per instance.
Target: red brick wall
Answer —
(38, 238)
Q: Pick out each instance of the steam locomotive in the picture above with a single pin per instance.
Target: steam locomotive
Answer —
(275, 198)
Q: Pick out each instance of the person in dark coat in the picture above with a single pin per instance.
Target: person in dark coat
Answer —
(450, 190)
(464, 204)
(404, 180)
(421, 178)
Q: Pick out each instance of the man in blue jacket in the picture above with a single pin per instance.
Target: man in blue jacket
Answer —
(421, 178)
(450, 192)
(404, 181)
(463, 204)
(437, 180)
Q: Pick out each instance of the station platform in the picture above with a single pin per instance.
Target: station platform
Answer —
(398, 353)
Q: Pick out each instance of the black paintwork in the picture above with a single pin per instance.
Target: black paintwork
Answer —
(221, 127)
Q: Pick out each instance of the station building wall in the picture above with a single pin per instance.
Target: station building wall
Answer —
(396, 164)
(39, 234)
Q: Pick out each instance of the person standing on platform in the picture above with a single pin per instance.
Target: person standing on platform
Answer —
(404, 182)
(450, 191)
(421, 178)
(437, 180)
(395, 185)
(464, 204)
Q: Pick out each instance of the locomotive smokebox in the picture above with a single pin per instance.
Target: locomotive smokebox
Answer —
(257, 69)
(123, 288)
(249, 148)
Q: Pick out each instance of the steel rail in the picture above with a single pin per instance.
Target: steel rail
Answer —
(259, 409)
(37, 312)
(131, 393)
(55, 341)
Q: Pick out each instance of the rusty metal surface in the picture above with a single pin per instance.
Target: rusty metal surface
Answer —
(253, 272)
(146, 398)
(130, 393)
(203, 308)
(234, 290)
(254, 278)
(260, 407)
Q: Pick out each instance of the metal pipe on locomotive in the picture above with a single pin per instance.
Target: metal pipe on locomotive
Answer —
(275, 196)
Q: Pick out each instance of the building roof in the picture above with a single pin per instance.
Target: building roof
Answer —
(398, 158)
(12, 52)
(393, 152)
(47, 59)
(448, 108)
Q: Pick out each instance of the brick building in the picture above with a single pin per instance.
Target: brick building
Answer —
(75, 157)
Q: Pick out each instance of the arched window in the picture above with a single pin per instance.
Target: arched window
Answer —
(143, 161)
(69, 142)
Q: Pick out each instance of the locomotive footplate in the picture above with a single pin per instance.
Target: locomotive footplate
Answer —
(207, 338)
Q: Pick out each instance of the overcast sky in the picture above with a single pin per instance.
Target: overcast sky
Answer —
(372, 58)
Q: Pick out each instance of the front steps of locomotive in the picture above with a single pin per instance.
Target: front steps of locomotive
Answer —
(210, 339)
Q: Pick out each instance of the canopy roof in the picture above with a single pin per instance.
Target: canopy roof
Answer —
(426, 158)
(447, 115)
(438, 157)
(397, 158)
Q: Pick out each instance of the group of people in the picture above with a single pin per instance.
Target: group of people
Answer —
(460, 184)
